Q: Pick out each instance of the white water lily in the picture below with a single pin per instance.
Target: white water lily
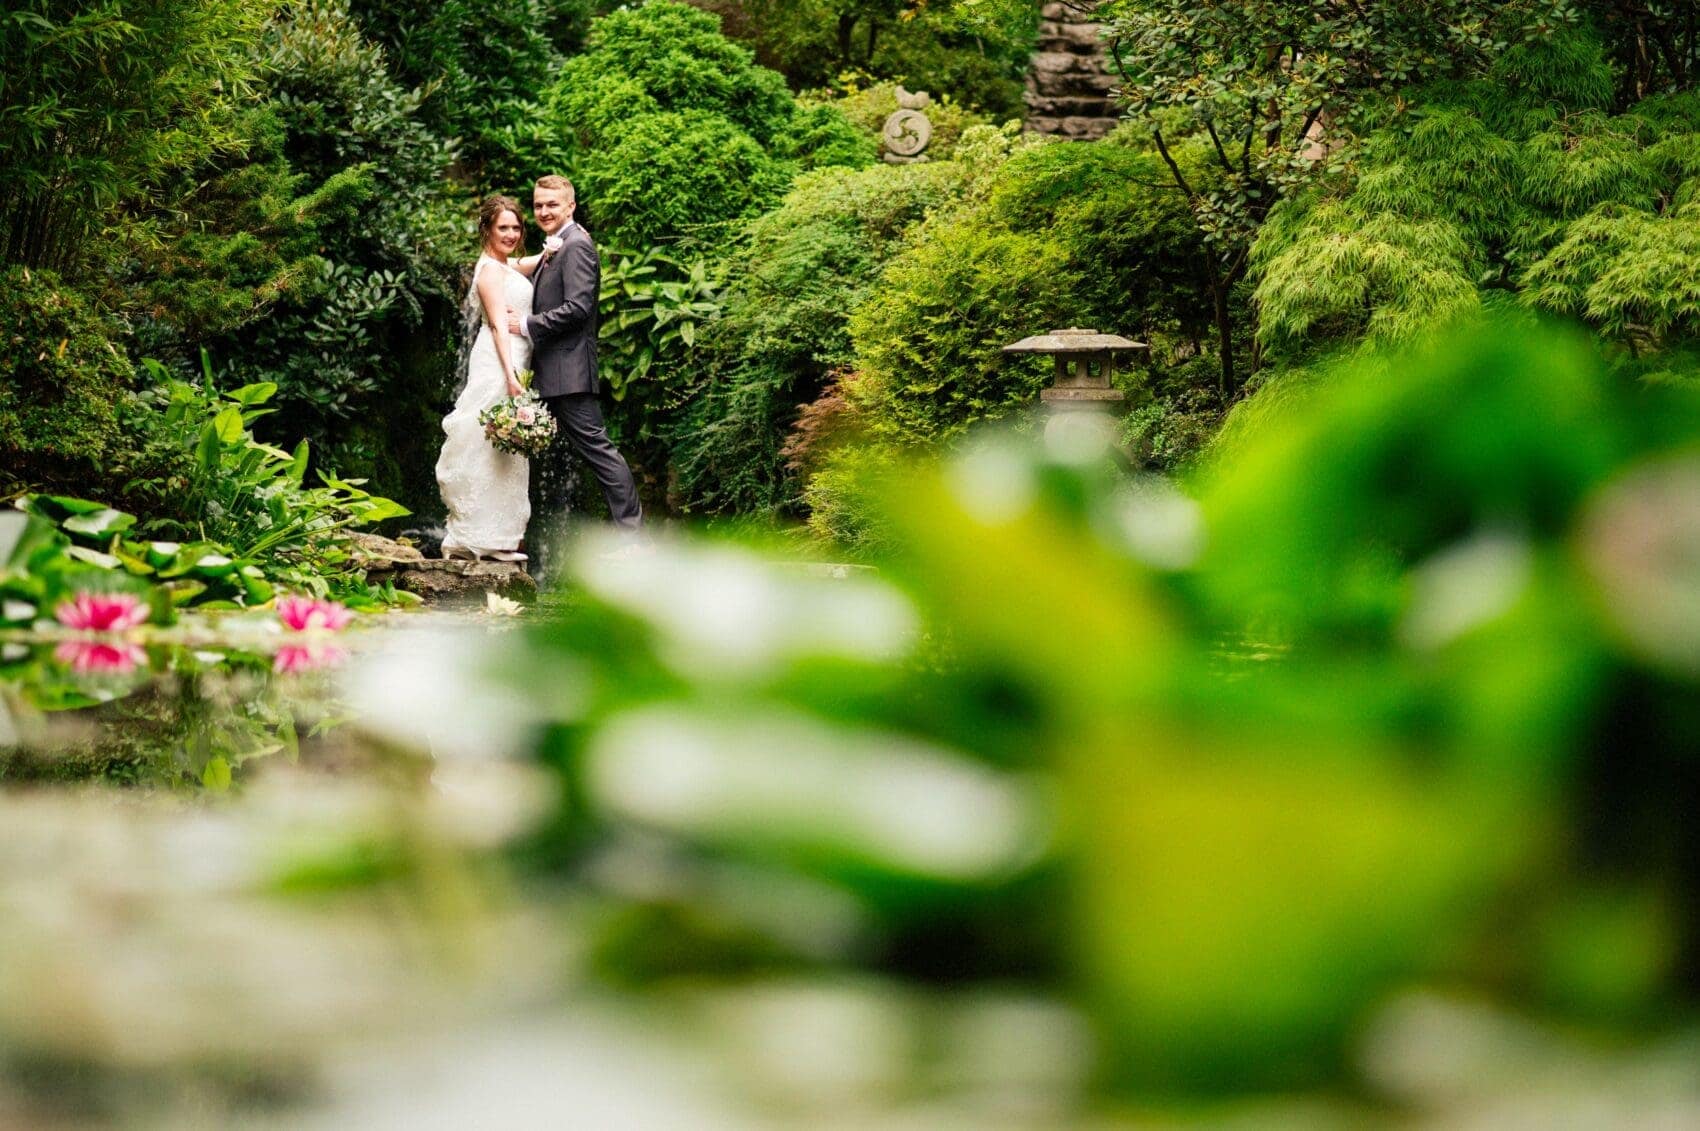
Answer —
(499, 606)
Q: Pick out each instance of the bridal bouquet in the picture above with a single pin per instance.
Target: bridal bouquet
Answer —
(521, 425)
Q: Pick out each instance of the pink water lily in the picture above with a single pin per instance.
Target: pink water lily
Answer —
(304, 614)
(99, 657)
(293, 658)
(102, 612)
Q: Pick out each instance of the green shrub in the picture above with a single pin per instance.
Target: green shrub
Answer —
(799, 272)
(676, 53)
(929, 338)
(1518, 183)
(369, 323)
(1050, 236)
(845, 498)
(474, 60)
(668, 128)
(101, 104)
(674, 172)
(62, 378)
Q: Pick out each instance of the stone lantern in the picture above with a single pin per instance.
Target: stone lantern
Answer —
(1085, 363)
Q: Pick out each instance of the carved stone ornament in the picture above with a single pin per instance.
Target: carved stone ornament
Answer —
(907, 130)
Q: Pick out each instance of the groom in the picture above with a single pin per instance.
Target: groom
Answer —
(562, 332)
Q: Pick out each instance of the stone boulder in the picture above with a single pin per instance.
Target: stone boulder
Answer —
(457, 581)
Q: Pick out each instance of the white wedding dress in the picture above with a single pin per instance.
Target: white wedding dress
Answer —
(486, 491)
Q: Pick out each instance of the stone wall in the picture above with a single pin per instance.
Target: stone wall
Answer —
(1068, 89)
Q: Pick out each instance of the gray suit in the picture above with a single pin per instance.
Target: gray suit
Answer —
(562, 329)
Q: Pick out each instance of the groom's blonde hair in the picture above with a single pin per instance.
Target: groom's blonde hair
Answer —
(557, 182)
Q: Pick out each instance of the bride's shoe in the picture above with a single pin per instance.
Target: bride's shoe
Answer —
(451, 551)
(507, 556)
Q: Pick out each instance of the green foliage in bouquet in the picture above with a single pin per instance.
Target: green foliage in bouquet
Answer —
(519, 425)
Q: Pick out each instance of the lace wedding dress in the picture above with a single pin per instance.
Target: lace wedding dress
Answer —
(486, 491)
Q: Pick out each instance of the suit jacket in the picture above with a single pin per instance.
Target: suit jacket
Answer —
(562, 325)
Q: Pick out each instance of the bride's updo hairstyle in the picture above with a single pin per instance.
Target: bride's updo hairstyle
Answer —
(491, 210)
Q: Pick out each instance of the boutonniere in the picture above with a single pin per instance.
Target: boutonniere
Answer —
(553, 244)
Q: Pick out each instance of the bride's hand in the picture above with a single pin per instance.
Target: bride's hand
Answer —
(514, 387)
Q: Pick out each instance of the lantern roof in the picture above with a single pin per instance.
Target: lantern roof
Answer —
(1073, 340)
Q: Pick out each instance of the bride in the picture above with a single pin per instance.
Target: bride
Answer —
(487, 491)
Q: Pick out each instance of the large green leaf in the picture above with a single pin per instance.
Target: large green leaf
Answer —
(228, 424)
(207, 451)
(99, 523)
(59, 506)
(93, 557)
(257, 393)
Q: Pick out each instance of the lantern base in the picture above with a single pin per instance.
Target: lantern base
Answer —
(1086, 397)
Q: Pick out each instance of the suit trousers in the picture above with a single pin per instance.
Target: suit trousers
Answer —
(579, 418)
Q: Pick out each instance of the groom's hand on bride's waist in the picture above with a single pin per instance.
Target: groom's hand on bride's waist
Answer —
(516, 324)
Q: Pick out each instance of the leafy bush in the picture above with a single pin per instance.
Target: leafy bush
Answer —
(474, 61)
(1517, 183)
(252, 498)
(62, 378)
(650, 312)
(667, 127)
(670, 173)
(100, 105)
(371, 326)
(975, 51)
(845, 496)
(928, 339)
(1051, 236)
(796, 276)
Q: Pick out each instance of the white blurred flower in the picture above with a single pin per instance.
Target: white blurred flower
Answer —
(918, 808)
(1159, 525)
(1465, 586)
(993, 482)
(1640, 540)
(727, 612)
(438, 691)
